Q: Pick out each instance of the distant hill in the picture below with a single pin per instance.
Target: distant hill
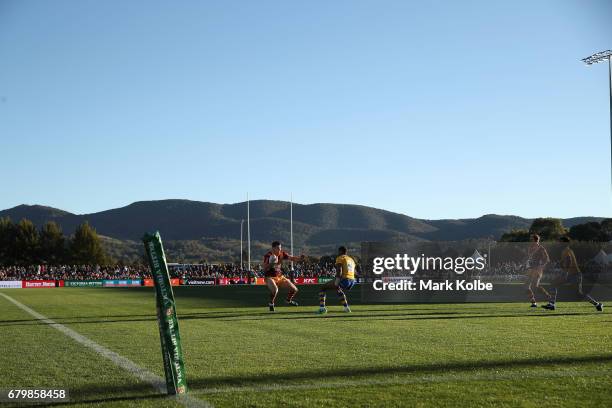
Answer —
(194, 228)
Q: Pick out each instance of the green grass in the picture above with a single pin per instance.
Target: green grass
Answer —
(238, 354)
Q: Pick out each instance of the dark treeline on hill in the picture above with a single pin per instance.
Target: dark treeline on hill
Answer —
(194, 231)
(551, 229)
(24, 244)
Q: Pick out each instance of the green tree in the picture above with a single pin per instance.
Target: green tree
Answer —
(590, 231)
(549, 229)
(52, 244)
(516, 235)
(606, 230)
(86, 248)
(7, 241)
(27, 242)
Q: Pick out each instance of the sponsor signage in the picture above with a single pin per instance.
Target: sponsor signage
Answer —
(151, 282)
(200, 281)
(170, 338)
(38, 284)
(306, 281)
(323, 280)
(122, 282)
(83, 283)
(10, 284)
(231, 281)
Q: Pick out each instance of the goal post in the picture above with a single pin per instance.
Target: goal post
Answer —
(170, 338)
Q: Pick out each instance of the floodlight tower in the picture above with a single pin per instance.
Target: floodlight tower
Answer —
(241, 250)
(248, 232)
(291, 227)
(594, 59)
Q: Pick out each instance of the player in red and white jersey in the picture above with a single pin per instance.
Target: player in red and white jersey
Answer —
(272, 266)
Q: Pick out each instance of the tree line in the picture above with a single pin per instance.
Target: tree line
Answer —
(23, 244)
(551, 229)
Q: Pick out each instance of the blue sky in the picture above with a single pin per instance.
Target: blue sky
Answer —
(435, 109)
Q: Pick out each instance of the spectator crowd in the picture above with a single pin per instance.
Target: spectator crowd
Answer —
(139, 271)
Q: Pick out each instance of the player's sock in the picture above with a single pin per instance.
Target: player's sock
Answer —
(272, 298)
(553, 300)
(290, 295)
(544, 291)
(322, 299)
(591, 300)
(532, 297)
(342, 297)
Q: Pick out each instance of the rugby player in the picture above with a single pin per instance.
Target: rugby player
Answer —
(571, 275)
(272, 266)
(537, 259)
(345, 280)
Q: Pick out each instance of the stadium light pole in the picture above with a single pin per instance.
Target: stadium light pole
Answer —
(291, 226)
(594, 59)
(248, 232)
(241, 250)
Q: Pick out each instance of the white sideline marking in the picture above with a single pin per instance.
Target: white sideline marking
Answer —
(390, 381)
(157, 382)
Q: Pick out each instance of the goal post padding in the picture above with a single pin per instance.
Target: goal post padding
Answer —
(170, 338)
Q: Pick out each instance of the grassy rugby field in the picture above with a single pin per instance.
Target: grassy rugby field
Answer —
(238, 354)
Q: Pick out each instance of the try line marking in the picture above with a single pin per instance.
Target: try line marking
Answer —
(144, 375)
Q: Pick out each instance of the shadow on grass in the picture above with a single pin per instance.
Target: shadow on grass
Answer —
(212, 313)
(250, 316)
(60, 319)
(98, 397)
(203, 383)
(128, 318)
(98, 394)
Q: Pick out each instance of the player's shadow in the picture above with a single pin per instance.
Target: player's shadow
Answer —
(483, 316)
(204, 383)
(484, 306)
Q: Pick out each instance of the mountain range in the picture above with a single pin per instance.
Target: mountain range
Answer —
(195, 230)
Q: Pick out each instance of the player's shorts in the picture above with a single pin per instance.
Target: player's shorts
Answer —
(279, 280)
(535, 272)
(346, 284)
(573, 278)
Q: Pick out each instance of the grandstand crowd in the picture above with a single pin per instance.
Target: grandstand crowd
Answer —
(139, 271)
(506, 271)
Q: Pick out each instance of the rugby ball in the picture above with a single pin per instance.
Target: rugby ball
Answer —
(273, 260)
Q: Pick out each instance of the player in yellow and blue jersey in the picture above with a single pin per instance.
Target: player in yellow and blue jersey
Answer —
(344, 281)
(571, 275)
